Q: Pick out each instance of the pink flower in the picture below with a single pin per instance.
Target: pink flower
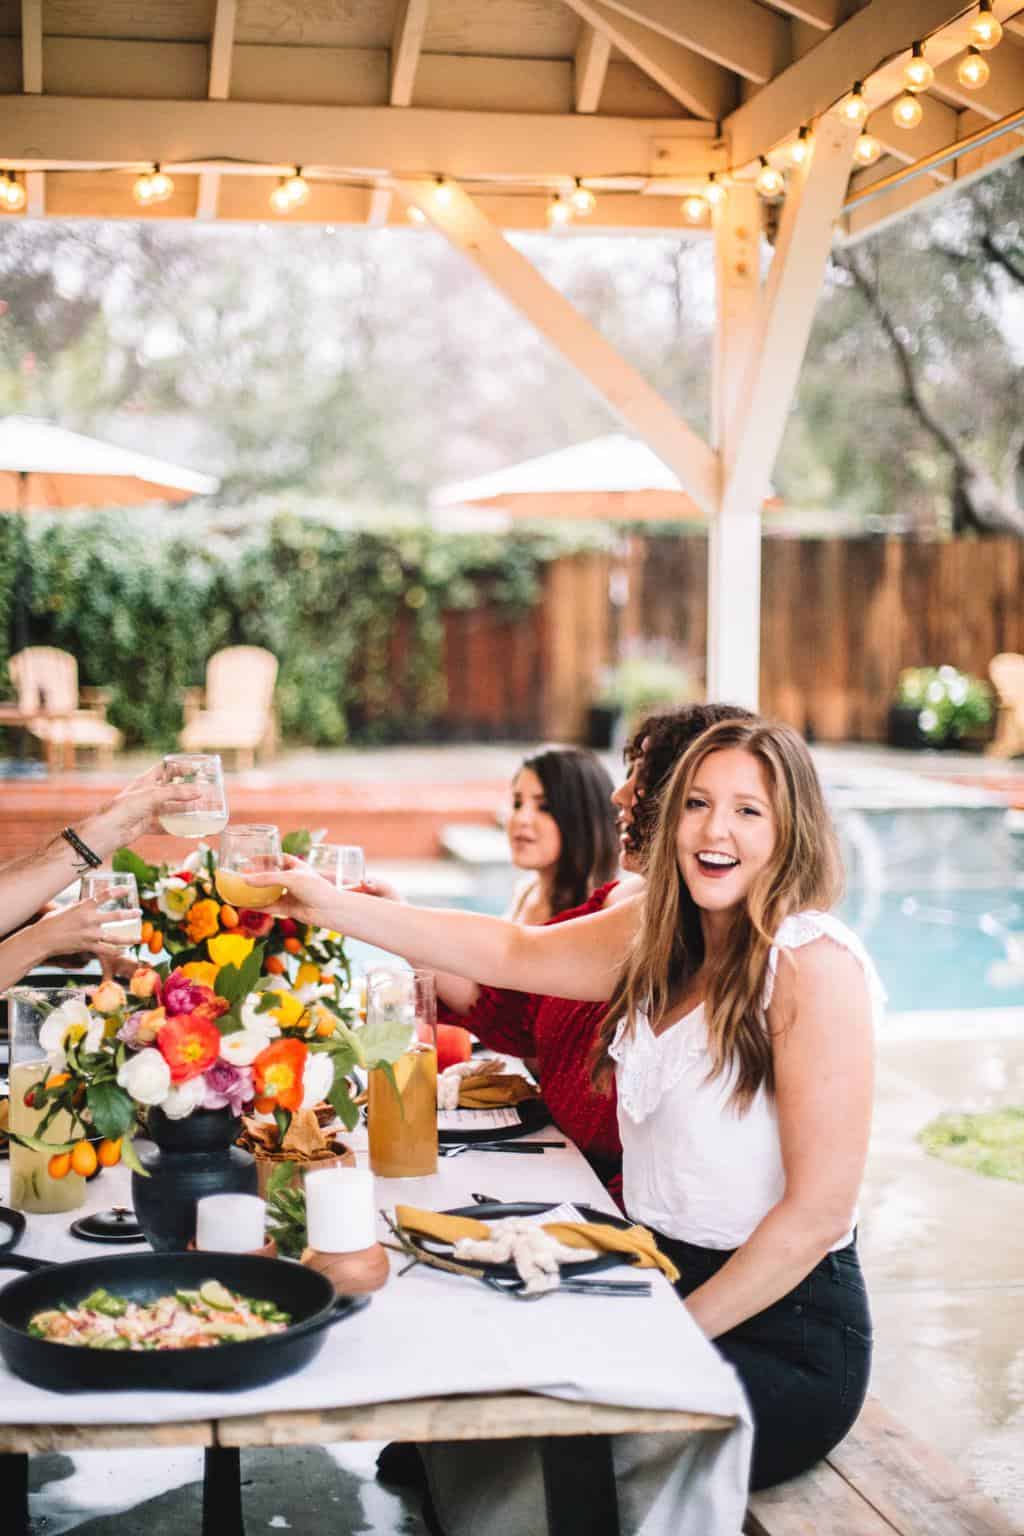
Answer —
(145, 983)
(184, 996)
(228, 1087)
(255, 925)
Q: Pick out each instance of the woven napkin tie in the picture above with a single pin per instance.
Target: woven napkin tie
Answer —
(482, 1085)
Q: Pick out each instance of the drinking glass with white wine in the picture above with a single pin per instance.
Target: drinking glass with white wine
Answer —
(343, 864)
(248, 850)
(209, 814)
(117, 897)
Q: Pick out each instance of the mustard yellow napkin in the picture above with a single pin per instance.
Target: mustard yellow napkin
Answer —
(488, 1091)
(634, 1241)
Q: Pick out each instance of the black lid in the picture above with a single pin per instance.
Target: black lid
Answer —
(118, 1225)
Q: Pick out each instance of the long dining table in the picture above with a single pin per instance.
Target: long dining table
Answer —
(435, 1357)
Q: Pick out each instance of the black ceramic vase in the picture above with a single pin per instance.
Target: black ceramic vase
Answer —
(189, 1159)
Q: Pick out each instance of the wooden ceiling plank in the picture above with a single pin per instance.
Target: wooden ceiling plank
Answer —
(814, 82)
(591, 67)
(738, 34)
(66, 132)
(937, 128)
(823, 14)
(1004, 91)
(704, 88)
(635, 401)
(406, 46)
(32, 46)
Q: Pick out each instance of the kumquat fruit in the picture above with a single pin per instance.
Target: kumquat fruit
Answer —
(228, 917)
(59, 1165)
(109, 1153)
(274, 965)
(84, 1159)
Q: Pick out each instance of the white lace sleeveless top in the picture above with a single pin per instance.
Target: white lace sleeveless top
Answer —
(692, 1167)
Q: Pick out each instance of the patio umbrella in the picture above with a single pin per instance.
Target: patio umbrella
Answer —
(45, 466)
(616, 478)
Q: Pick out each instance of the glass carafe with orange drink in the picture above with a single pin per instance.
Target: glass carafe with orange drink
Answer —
(249, 850)
(32, 1188)
(402, 1108)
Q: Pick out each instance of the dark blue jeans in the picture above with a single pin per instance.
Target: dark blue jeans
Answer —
(804, 1361)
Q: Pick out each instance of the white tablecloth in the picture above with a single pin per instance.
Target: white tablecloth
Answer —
(430, 1333)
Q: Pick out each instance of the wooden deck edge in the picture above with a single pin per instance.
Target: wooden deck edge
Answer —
(30, 1438)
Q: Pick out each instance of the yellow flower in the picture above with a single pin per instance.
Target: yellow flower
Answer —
(229, 948)
(289, 1010)
(201, 922)
(308, 975)
(203, 971)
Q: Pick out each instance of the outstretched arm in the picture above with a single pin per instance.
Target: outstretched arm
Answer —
(68, 930)
(581, 959)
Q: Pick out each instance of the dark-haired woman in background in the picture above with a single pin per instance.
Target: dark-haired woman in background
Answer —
(562, 829)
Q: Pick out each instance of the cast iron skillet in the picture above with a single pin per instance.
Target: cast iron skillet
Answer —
(308, 1296)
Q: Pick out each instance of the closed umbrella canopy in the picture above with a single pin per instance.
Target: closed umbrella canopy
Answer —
(42, 465)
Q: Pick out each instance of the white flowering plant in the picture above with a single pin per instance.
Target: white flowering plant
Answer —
(951, 704)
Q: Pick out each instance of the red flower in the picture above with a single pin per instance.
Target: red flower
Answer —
(189, 1044)
(255, 925)
(288, 926)
(277, 1074)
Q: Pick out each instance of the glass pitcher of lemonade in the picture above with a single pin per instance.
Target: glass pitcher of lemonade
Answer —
(249, 850)
(32, 1189)
(402, 1124)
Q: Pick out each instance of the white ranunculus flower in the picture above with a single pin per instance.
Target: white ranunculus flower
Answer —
(184, 1098)
(174, 896)
(242, 1047)
(317, 1079)
(312, 992)
(146, 1077)
(71, 1021)
(259, 1023)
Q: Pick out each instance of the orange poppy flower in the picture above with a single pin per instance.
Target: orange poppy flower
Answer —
(189, 1044)
(278, 1071)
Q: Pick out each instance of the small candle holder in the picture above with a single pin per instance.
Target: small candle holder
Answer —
(341, 1227)
(351, 1274)
(268, 1251)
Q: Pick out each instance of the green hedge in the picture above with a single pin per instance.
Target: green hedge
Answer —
(142, 610)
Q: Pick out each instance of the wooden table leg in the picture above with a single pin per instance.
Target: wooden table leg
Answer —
(222, 1492)
(14, 1493)
(579, 1485)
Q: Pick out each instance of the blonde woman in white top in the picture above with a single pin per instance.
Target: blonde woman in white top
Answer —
(740, 1034)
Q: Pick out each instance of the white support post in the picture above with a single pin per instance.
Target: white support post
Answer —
(222, 43)
(635, 401)
(734, 547)
(754, 431)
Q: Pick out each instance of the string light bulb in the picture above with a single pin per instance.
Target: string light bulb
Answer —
(918, 74)
(582, 200)
(695, 208)
(12, 193)
(714, 192)
(867, 149)
(281, 199)
(986, 30)
(973, 70)
(770, 182)
(443, 192)
(142, 189)
(855, 108)
(800, 148)
(908, 111)
(297, 188)
(559, 212)
(415, 214)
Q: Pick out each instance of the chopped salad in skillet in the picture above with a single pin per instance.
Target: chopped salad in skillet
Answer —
(199, 1319)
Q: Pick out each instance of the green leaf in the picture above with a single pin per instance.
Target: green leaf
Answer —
(384, 1040)
(282, 1119)
(36, 1143)
(389, 1073)
(112, 1109)
(125, 861)
(268, 1000)
(340, 1100)
(130, 1157)
(234, 982)
(280, 1178)
(297, 843)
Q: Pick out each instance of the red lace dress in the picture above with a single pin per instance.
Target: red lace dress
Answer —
(558, 1033)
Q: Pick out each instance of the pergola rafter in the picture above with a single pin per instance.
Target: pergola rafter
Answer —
(512, 102)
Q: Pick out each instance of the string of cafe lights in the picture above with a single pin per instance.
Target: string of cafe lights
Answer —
(292, 191)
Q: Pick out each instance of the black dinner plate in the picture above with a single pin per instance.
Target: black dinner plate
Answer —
(498, 1210)
(12, 1225)
(533, 1115)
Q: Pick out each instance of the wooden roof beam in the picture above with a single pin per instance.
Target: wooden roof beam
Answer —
(937, 128)
(821, 77)
(740, 34)
(406, 46)
(823, 14)
(635, 401)
(590, 68)
(703, 88)
(222, 43)
(32, 84)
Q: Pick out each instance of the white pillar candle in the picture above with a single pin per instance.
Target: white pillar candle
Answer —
(340, 1210)
(231, 1223)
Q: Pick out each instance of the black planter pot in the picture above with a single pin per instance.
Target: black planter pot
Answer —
(601, 722)
(904, 730)
(190, 1158)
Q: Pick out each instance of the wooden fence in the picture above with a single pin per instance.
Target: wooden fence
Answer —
(839, 620)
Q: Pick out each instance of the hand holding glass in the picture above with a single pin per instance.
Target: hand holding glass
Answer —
(403, 1125)
(341, 863)
(207, 815)
(117, 894)
(249, 850)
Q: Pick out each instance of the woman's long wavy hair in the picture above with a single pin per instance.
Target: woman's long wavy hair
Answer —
(804, 872)
(578, 790)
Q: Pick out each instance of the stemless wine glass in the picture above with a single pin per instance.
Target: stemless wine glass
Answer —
(249, 850)
(342, 863)
(403, 1125)
(207, 815)
(115, 893)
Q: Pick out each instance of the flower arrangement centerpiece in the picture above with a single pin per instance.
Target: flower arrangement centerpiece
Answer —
(950, 705)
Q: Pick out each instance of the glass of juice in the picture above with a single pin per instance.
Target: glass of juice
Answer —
(249, 850)
(344, 864)
(32, 1188)
(117, 897)
(206, 816)
(402, 1115)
